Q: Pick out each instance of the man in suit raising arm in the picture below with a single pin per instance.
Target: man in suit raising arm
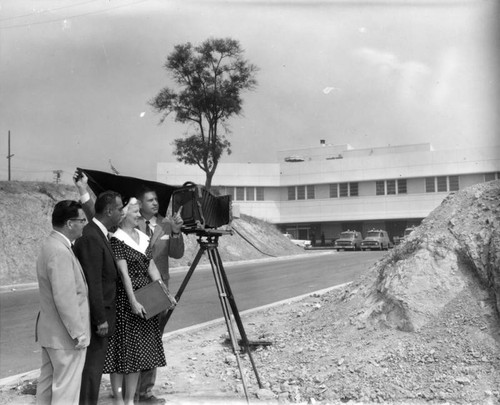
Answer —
(63, 325)
(94, 252)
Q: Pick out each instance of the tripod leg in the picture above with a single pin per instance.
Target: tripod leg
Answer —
(227, 316)
(236, 314)
(185, 281)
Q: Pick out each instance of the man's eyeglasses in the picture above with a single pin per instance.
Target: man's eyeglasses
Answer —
(81, 220)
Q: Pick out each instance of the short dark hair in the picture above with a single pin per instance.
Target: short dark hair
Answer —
(104, 200)
(143, 190)
(64, 210)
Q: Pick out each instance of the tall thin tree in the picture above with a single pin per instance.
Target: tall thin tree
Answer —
(210, 77)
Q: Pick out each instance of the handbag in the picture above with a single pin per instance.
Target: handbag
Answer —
(155, 298)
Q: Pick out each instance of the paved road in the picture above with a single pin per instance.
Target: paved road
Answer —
(253, 284)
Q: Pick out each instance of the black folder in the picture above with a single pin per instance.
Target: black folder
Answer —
(155, 298)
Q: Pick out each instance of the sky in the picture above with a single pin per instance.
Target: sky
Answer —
(76, 78)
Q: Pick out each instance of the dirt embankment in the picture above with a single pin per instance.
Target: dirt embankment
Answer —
(26, 209)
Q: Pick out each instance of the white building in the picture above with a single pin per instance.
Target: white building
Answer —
(321, 191)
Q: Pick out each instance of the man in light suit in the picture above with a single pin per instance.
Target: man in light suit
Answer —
(63, 324)
(94, 252)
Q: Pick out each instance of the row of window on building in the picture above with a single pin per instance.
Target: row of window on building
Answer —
(350, 189)
(382, 187)
(246, 193)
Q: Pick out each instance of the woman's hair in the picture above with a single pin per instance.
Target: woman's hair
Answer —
(132, 201)
(64, 210)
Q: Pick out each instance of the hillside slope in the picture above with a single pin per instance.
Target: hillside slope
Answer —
(26, 209)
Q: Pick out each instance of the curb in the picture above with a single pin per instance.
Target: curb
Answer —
(15, 379)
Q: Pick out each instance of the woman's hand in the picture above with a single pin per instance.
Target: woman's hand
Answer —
(138, 309)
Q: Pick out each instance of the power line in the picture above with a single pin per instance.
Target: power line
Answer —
(73, 16)
(46, 11)
(22, 170)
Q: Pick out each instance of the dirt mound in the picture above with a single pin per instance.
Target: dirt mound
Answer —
(26, 209)
(457, 241)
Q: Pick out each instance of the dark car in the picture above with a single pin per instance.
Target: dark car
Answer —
(349, 240)
(376, 239)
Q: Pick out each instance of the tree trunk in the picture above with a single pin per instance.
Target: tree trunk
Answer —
(208, 181)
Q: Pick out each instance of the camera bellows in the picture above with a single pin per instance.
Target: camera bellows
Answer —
(200, 208)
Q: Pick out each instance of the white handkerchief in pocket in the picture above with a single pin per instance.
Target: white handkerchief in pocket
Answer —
(165, 237)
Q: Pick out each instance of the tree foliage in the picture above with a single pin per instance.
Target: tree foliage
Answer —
(210, 79)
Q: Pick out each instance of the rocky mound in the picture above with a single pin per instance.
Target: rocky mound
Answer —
(26, 209)
(422, 325)
(459, 241)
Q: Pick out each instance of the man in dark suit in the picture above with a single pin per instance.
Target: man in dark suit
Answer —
(166, 241)
(63, 324)
(96, 257)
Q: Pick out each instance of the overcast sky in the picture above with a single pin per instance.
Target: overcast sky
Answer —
(76, 77)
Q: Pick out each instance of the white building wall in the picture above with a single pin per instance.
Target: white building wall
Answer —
(364, 166)
(415, 186)
(227, 174)
(366, 188)
(471, 179)
(266, 210)
(391, 166)
(322, 191)
(360, 208)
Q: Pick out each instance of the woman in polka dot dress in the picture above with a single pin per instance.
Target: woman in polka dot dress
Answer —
(136, 344)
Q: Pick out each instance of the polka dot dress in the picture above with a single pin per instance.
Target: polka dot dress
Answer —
(136, 344)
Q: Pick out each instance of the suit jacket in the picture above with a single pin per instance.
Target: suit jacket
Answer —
(64, 303)
(163, 245)
(96, 257)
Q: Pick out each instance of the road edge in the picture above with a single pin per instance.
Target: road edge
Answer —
(29, 375)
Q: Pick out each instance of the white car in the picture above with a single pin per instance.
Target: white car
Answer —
(299, 242)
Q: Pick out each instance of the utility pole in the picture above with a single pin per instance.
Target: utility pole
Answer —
(57, 176)
(9, 155)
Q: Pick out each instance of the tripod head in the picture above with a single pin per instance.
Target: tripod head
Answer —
(211, 235)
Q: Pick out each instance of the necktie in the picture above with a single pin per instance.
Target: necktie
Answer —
(148, 229)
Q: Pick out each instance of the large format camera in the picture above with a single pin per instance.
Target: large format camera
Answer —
(201, 210)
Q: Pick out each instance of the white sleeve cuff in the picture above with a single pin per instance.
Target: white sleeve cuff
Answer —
(84, 197)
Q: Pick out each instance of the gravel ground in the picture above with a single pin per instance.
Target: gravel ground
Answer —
(318, 356)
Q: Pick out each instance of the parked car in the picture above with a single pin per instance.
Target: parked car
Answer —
(400, 239)
(376, 239)
(349, 240)
(299, 242)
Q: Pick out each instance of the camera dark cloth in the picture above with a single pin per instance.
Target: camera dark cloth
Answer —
(128, 187)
